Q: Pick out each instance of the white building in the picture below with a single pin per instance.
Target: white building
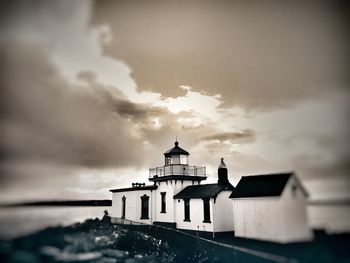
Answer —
(271, 207)
(176, 198)
(205, 207)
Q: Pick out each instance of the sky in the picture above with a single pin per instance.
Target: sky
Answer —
(94, 92)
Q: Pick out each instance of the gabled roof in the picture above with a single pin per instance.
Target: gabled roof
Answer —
(176, 150)
(202, 191)
(261, 185)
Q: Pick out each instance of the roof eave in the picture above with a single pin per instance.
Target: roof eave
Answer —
(143, 188)
(177, 177)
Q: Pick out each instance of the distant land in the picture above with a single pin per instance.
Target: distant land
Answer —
(108, 202)
(104, 202)
(345, 201)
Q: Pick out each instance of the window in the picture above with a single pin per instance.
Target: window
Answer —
(144, 207)
(167, 160)
(163, 202)
(183, 159)
(187, 209)
(206, 209)
(123, 207)
(175, 159)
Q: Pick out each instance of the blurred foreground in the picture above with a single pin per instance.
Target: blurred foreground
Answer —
(100, 241)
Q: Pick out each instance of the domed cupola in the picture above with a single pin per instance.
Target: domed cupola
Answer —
(176, 155)
(222, 173)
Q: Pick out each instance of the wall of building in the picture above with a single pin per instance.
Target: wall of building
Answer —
(296, 226)
(294, 201)
(196, 215)
(171, 187)
(223, 212)
(280, 219)
(258, 218)
(133, 205)
(297, 193)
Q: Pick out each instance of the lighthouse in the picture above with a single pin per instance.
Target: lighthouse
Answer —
(172, 177)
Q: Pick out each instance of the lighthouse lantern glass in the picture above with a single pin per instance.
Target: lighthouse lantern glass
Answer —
(183, 159)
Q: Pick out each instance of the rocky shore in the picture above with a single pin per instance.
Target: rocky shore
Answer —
(99, 241)
(103, 242)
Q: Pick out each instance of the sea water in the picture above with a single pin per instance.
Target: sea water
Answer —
(334, 218)
(20, 221)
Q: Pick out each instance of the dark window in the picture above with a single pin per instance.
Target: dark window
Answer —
(144, 207)
(167, 160)
(206, 208)
(163, 202)
(187, 209)
(123, 206)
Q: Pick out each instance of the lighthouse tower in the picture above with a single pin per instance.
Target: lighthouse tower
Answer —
(173, 176)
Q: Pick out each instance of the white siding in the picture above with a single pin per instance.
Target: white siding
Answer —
(295, 221)
(289, 193)
(280, 219)
(258, 218)
(133, 205)
(223, 213)
(293, 205)
(171, 188)
(196, 215)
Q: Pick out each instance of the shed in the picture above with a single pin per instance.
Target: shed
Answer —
(271, 207)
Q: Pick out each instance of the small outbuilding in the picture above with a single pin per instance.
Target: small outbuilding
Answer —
(271, 208)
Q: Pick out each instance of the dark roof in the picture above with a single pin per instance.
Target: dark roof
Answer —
(177, 177)
(176, 150)
(135, 188)
(261, 185)
(202, 191)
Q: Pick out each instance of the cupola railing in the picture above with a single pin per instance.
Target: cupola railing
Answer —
(177, 169)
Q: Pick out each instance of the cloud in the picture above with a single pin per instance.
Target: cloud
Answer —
(201, 71)
(46, 118)
(319, 168)
(257, 56)
(244, 136)
(52, 130)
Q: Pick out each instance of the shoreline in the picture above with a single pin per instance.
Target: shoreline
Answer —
(103, 202)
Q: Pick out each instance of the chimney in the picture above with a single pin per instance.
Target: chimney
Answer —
(222, 173)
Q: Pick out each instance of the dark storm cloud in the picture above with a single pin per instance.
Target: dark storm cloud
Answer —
(116, 101)
(312, 168)
(245, 136)
(256, 54)
(44, 118)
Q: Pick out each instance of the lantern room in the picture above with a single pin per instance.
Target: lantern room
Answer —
(176, 155)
